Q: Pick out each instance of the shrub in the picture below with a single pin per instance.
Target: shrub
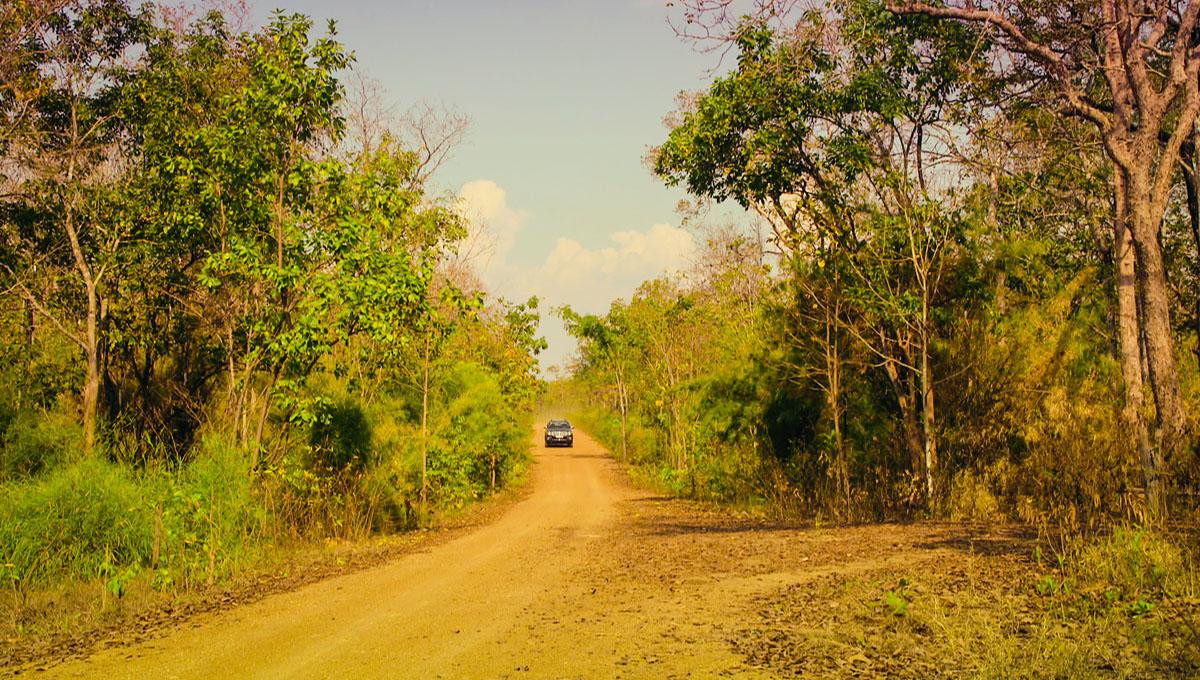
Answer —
(210, 519)
(87, 520)
(1137, 565)
(32, 443)
(341, 438)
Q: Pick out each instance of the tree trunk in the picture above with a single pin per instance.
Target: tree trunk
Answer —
(928, 424)
(1191, 181)
(261, 430)
(425, 425)
(91, 338)
(906, 399)
(1133, 414)
(833, 371)
(623, 402)
(1156, 325)
(91, 392)
(30, 325)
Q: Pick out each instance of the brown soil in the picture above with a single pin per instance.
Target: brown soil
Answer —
(588, 577)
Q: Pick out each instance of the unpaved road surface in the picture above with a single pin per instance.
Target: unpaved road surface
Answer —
(586, 577)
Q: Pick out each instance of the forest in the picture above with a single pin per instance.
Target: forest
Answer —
(971, 291)
(233, 312)
(948, 289)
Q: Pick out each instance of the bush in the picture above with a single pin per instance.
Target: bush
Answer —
(96, 520)
(1135, 565)
(341, 438)
(210, 519)
(32, 443)
(479, 441)
(87, 520)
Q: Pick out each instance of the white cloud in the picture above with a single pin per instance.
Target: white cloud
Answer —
(493, 226)
(590, 279)
(587, 279)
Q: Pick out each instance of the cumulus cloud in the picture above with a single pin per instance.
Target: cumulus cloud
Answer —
(590, 279)
(493, 225)
(587, 278)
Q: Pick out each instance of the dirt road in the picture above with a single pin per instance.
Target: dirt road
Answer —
(502, 601)
(586, 577)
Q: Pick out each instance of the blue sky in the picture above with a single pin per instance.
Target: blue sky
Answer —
(564, 97)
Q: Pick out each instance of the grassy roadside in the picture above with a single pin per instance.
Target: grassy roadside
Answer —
(73, 619)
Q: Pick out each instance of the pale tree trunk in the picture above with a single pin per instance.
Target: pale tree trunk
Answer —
(1133, 415)
(261, 430)
(928, 421)
(623, 404)
(925, 268)
(833, 371)
(91, 338)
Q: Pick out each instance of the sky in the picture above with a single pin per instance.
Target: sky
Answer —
(564, 97)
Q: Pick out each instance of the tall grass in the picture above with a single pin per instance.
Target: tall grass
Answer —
(89, 519)
(99, 520)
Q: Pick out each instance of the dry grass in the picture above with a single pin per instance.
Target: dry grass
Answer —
(1121, 606)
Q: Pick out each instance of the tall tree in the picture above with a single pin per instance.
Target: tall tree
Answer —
(1132, 70)
(62, 134)
(827, 131)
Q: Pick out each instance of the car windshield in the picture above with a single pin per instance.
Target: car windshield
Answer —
(558, 425)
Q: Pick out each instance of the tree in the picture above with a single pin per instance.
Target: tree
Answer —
(1132, 70)
(63, 135)
(603, 343)
(827, 133)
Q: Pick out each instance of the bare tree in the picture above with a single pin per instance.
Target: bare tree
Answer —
(430, 131)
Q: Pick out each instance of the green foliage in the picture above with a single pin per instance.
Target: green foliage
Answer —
(673, 374)
(896, 602)
(1137, 567)
(939, 336)
(341, 438)
(210, 519)
(85, 520)
(33, 442)
(479, 440)
(252, 300)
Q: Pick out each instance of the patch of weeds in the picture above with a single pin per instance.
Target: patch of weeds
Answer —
(896, 600)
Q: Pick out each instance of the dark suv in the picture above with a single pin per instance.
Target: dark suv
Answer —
(558, 433)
